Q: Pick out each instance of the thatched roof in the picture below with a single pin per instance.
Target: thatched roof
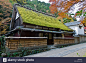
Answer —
(39, 18)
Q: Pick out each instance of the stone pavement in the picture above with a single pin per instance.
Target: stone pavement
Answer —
(74, 54)
(70, 51)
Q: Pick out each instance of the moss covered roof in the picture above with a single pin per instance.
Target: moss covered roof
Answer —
(32, 17)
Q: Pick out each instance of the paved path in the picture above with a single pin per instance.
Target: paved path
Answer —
(70, 51)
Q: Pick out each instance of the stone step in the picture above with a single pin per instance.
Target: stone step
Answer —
(51, 47)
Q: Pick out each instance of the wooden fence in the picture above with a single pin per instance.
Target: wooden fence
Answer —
(63, 41)
(77, 39)
(80, 38)
(13, 43)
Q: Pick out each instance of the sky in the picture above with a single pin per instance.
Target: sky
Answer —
(47, 1)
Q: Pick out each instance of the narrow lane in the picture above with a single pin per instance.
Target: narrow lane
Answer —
(62, 52)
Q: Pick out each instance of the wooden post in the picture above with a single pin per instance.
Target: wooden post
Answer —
(62, 35)
(24, 43)
(19, 42)
(10, 44)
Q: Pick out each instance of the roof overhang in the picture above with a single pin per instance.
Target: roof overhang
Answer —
(38, 30)
(25, 37)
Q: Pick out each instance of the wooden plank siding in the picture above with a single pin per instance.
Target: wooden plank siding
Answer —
(63, 41)
(14, 44)
(28, 25)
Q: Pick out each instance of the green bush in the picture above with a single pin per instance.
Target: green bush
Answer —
(25, 52)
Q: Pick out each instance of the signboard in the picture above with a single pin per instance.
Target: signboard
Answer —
(43, 60)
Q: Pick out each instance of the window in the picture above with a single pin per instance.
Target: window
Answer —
(80, 27)
(17, 15)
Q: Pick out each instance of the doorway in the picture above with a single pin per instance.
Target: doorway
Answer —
(50, 40)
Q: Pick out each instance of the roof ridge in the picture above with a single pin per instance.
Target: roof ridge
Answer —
(34, 10)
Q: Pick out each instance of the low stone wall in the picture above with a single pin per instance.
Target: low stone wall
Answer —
(15, 43)
(63, 41)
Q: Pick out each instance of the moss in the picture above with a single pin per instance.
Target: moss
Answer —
(29, 16)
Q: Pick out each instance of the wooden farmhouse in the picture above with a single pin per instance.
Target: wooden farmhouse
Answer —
(32, 28)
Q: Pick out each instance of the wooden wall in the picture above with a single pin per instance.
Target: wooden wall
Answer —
(28, 25)
(14, 44)
(29, 34)
(82, 38)
(63, 41)
(77, 40)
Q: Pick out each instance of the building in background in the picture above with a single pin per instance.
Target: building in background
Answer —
(85, 30)
(77, 27)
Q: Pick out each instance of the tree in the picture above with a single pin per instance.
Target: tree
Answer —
(22, 2)
(63, 6)
(4, 25)
(5, 15)
(5, 9)
(37, 5)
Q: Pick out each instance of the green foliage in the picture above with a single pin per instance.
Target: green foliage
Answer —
(56, 14)
(84, 14)
(84, 55)
(0, 39)
(28, 16)
(78, 54)
(5, 9)
(22, 2)
(74, 19)
(65, 20)
(25, 52)
(8, 54)
(11, 1)
(34, 4)
(30, 7)
(40, 6)
(79, 13)
(15, 54)
(2, 44)
(62, 46)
